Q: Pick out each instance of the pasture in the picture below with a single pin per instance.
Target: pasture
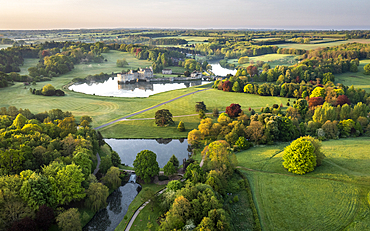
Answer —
(333, 197)
(272, 59)
(357, 79)
(318, 45)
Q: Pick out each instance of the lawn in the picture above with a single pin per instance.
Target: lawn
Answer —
(135, 204)
(215, 99)
(333, 197)
(357, 79)
(147, 129)
(318, 45)
(101, 109)
(272, 59)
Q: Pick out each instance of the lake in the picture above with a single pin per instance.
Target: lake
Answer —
(218, 70)
(111, 87)
(127, 149)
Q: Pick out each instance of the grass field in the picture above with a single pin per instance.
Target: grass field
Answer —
(135, 204)
(147, 129)
(102, 109)
(3, 46)
(185, 106)
(317, 45)
(272, 59)
(333, 197)
(215, 98)
(358, 79)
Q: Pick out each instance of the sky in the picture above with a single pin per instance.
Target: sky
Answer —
(197, 14)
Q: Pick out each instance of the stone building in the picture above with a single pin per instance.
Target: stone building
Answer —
(167, 71)
(141, 75)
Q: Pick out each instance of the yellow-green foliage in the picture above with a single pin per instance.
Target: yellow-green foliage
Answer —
(243, 60)
(299, 157)
(318, 92)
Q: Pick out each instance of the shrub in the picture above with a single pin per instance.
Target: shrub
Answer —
(367, 69)
(200, 106)
(315, 101)
(181, 127)
(163, 117)
(233, 110)
(299, 157)
(215, 112)
(342, 99)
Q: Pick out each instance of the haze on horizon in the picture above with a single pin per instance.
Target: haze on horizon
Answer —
(197, 14)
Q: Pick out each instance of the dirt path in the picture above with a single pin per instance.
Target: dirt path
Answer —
(150, 108)
(97, 166)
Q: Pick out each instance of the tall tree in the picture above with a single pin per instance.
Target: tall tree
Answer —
(146, 165)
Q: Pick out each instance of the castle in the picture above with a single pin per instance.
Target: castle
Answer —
(141, 75)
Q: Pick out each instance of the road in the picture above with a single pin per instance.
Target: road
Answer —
(145, 110)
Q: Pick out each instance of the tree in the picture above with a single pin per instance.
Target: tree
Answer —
(227, 86)
(69, 220)
(299, 157)
(111, 178)
(105, 164)
(181, 127)
(353, 68)
(328, 77)
(236, 87)
(146, 165)
(169, 169)
(342, 99)
(194, 137)
(217, 156)
(88, 119)
(68, 126)
(163, 117)
(174, 161)
(48, 90)
(215, 112)
(11, 160)
(200, 106)
(44, 217)
(96, 196)
(318, 92)
(24, 224)
(243, 143)
(121, 62)
(367, 69)
(255, 131)
(19, 121)
(315, 101)
(66, 182)
(82, 159)
(174, 185)
(116, 159)
(233, 110)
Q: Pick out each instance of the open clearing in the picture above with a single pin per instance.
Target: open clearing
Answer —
(317, 45)
(272, 59)
(333, 197)
(357, 79)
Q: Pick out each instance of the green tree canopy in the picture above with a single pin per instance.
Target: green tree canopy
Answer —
(146, 165)
(69, 220)
(48, 90)
(96, 196)
(163, 117)
(299, 157)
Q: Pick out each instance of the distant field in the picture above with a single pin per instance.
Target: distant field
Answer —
(215, 98)
(102, 109)
(3, 46)
(357, 79)
(27, 64)
(187, 38)
(314, 46)
(272, 59)
(333, 197)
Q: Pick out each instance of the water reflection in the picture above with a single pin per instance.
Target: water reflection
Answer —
(110, 87)
(220, 71)
(127, 149)
(108, 219)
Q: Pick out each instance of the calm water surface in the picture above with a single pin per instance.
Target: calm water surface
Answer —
(111, 87)
(109, 218)
(218, 70)
(127, 149)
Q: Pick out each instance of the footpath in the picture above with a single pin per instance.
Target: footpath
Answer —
(147, 109)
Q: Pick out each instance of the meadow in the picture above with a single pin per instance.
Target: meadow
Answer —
(357, 79)
(318, 45)
(333, 197)
(272, 59)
